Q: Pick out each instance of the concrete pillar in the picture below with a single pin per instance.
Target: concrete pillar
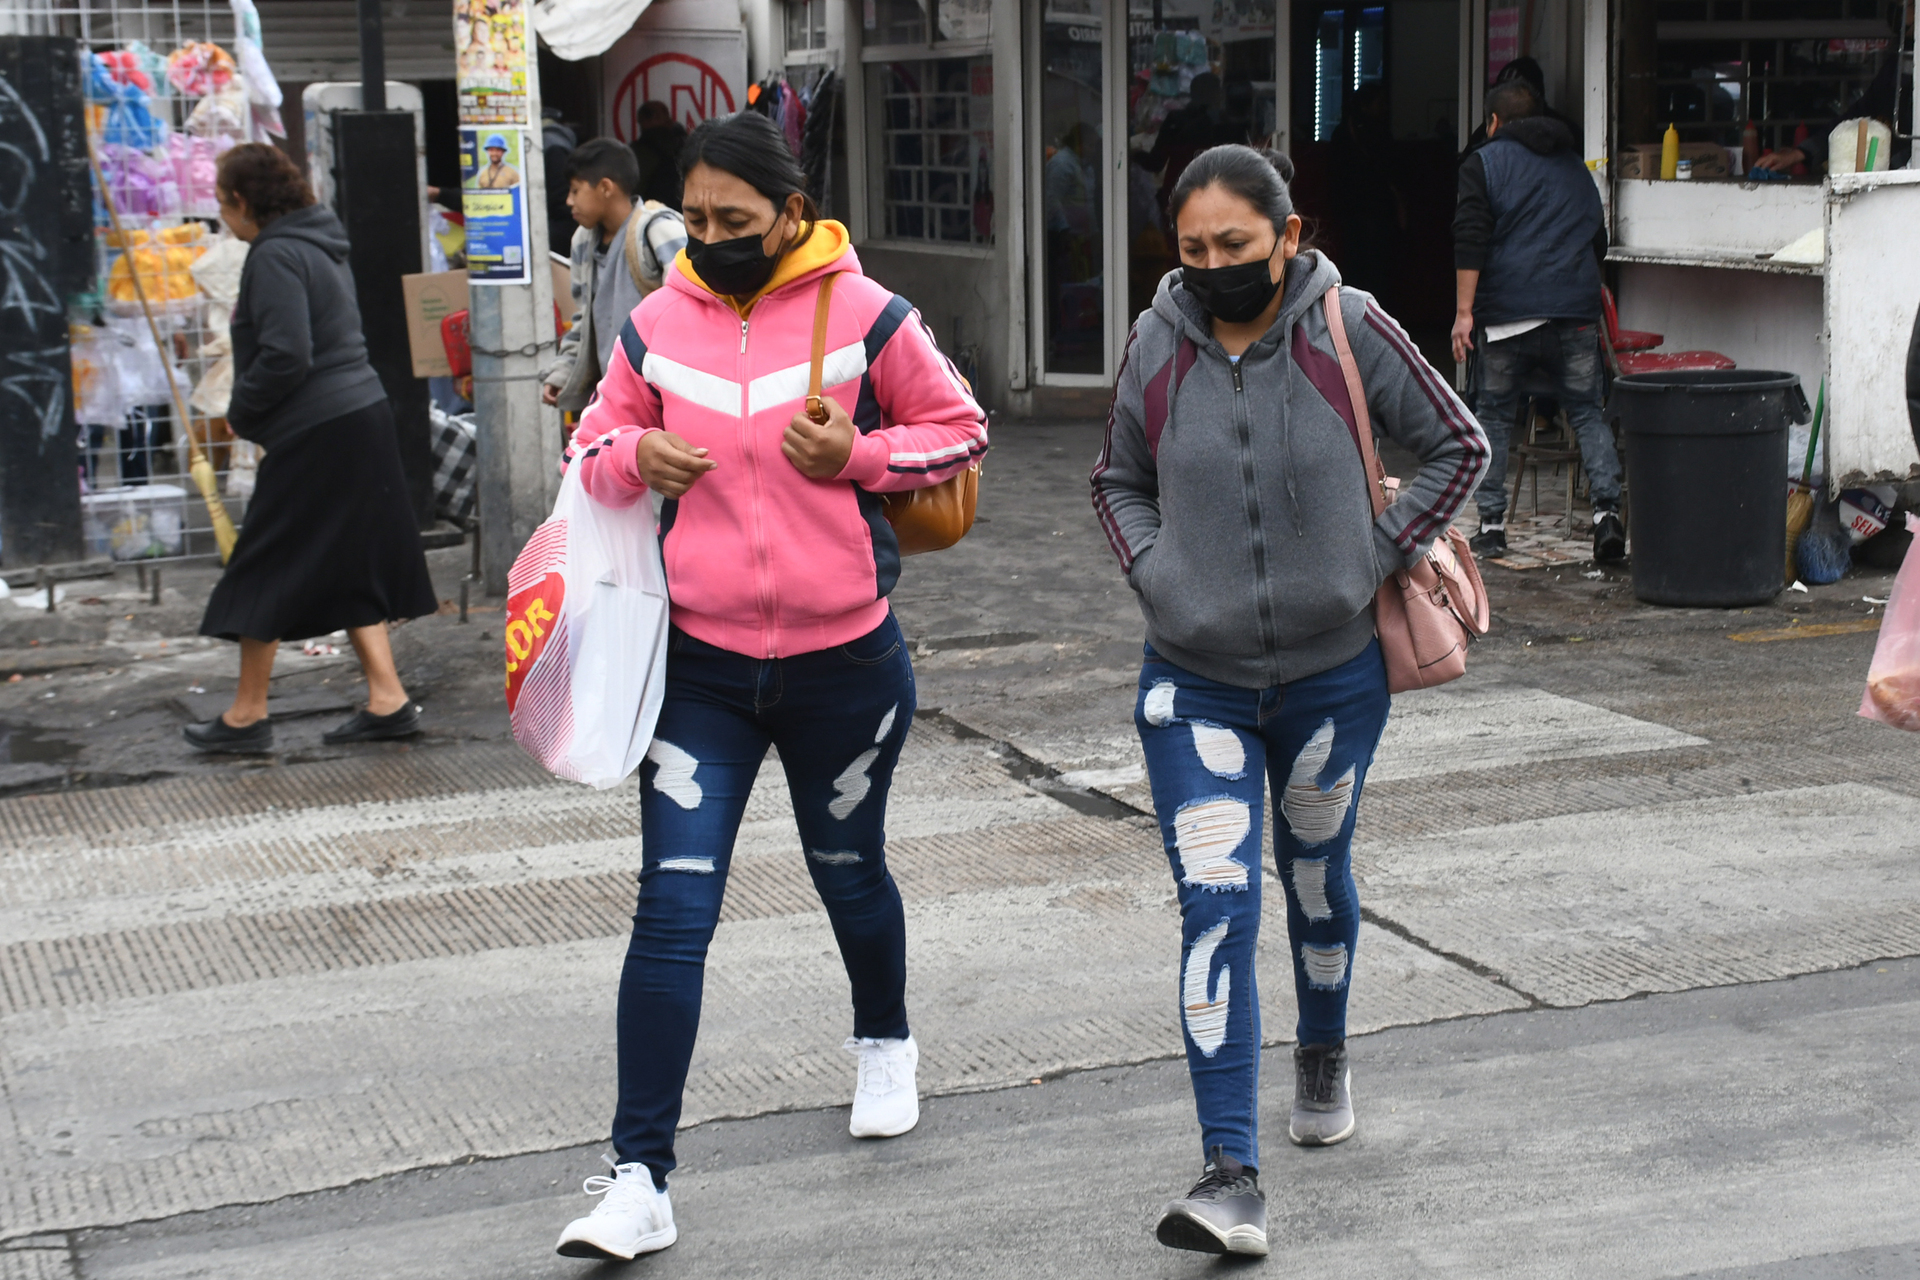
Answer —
(519, 439)
(512, 331)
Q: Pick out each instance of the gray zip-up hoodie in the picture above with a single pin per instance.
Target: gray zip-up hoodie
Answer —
(1235, 497)
(299, 354)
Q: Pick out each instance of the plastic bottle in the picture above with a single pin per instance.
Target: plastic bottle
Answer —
(1669, 153)
(1749, 147)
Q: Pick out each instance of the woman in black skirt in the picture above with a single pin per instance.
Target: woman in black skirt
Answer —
(329, 540)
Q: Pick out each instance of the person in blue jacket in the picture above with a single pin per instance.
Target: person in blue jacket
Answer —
(1529, 235)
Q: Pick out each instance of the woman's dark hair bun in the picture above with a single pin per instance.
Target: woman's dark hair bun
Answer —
(1257, 175)
(1282, 163)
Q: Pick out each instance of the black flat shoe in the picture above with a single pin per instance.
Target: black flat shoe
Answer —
(368, 727)
(217, 735)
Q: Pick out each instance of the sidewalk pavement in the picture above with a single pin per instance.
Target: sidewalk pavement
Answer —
(1623, 1002)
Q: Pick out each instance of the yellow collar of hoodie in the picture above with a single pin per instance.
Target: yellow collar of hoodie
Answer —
(829, 240)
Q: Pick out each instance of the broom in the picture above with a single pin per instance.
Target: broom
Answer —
(1822, 552)
(197, 466)
(1800, 498)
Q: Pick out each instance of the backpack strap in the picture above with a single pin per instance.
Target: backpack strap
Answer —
(1350, 369)
(639, 249)
(816, 407)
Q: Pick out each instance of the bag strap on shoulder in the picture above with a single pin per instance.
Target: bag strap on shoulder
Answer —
(817, 407)
(1357, 395)
(639, 249)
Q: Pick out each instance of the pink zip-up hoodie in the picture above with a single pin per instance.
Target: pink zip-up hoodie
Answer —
(760, 559)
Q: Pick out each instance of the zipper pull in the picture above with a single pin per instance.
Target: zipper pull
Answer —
(743, 337)
(1237, 387)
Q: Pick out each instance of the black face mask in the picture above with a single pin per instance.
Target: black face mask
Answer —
(739, 266)
(1235, 294)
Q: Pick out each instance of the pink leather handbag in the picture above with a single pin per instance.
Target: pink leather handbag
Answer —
(1425, 615)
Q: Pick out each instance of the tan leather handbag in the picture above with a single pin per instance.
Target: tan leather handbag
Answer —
(1425, 615)
(929, 519)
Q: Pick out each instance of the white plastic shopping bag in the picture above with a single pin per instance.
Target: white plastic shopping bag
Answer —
(586, 638)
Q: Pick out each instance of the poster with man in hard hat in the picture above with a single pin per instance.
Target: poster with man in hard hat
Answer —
(494, 202)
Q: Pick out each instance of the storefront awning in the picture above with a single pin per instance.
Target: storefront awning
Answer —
(576, 29)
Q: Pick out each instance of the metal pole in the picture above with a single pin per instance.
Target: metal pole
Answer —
(512, 332)
(373, 57)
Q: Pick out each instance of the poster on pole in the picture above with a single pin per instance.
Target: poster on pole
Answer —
(492, 43)
(493, 198)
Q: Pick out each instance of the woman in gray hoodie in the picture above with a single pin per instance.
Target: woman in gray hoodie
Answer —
(1232, 490)
(329, 541)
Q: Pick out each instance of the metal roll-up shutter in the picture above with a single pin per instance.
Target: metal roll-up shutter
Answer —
(310, 40)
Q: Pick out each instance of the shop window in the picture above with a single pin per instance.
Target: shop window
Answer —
(806, 25)
(932, 132)
(907, 22)
(1197, 77)
(1719, 65)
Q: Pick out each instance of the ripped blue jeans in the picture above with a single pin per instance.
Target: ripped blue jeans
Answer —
(1210, 749)
(839, 718)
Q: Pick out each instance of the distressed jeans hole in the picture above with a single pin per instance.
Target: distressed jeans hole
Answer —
(1206, 835)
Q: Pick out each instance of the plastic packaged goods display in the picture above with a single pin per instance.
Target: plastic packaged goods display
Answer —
(169, 87)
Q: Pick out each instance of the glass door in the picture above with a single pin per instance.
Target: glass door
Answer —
(1199, 73)
(1070, 110)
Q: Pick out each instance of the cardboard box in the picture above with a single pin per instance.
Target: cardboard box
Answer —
(432, 296)
(1643, 161)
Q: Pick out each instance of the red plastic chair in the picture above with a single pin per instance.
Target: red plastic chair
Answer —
(1671, 361)
(1626, 339)
(454, 338)
(1625, 359)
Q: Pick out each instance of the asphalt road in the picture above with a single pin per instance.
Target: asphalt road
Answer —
(1763, 1130)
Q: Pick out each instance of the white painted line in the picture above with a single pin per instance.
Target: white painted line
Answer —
(1465, 726)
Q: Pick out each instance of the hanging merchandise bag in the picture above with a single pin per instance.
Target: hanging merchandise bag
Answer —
(586, 637)
(1893, 681)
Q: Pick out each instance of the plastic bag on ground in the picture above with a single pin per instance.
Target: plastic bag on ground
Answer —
(1893, 680)
(586, 638)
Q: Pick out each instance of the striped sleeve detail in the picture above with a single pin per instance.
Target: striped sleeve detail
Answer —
(1101, 507)
(953, 456)
(949, 458)
(1426, 525)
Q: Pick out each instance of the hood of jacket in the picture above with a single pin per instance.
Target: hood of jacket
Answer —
(1309, 275)
(1542, 135)
(315, 224)
(1236, 498)
(830, 247)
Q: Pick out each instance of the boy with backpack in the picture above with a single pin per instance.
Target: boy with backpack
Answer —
(619, 255)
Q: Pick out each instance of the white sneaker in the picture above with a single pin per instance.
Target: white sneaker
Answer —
(632, 1218)
(885, 1103)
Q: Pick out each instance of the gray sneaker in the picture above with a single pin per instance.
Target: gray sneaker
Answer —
(1322, 1095)
(1226, 1212)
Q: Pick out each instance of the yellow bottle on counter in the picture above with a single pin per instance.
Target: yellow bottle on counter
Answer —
(1670, 154)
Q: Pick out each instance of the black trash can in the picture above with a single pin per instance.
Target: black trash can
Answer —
(1707, 479)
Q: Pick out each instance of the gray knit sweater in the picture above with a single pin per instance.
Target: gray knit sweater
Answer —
(1235, 498)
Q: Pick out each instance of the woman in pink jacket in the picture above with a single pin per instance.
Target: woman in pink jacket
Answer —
(779, 560)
